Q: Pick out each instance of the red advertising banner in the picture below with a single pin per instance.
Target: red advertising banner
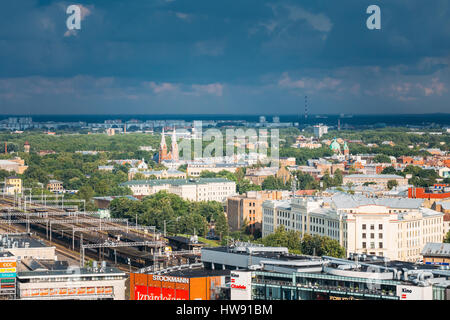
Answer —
(155, 293)
(182, 294)
(168, 294)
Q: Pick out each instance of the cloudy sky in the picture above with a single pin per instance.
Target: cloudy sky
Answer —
(224, 56)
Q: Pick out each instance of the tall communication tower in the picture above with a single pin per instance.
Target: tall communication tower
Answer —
(306, 108)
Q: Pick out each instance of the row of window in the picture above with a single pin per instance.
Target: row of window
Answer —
(372, 245)
(372, 227)
(372, 236)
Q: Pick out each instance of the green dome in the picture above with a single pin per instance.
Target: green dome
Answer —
(335, 146)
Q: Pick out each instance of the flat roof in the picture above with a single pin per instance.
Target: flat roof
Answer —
(375, 176)
(177, 182)
(436, 250)
(197, 273)
(6, 254)
(21, 241)
(69, 272)
(343, 200)
(267, 254)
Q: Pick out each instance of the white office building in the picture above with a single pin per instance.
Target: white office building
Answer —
(391, 227)
(320, 130)
(203, 189)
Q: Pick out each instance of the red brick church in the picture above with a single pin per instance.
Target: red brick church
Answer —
(163, 154)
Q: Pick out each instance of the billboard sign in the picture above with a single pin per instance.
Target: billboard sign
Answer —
(158, 293)
(414, 292)
(241, 285)
(8, 274)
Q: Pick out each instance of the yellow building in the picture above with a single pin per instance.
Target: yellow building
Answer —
(55, 186)
(13, 185)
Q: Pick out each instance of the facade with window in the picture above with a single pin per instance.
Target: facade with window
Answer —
(72, 284)
(394, 228)
(203, 189)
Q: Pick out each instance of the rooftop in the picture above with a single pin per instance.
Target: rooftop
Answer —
(70, 272)
(374, 176)
(342, 200)
(436, 250)
(11, 242)
(445, 204)
(197, 273)
(176, 182)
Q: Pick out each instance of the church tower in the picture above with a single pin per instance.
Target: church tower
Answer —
(346, 149)
(175, 153)
(162, 148)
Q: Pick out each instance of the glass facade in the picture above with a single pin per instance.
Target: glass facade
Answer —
(308, 286)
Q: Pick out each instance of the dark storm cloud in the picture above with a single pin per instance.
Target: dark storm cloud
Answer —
(248, 56)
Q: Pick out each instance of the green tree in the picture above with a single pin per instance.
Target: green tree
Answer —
(391, 184)
(273, 183)
(283, 238)
(447, 238)
(86, 193)
(389, 170)
(245, 185)
(381, 158)
(321, 246)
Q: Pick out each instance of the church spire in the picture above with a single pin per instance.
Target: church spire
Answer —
(175, 154)
(163, 139)
(162, 148)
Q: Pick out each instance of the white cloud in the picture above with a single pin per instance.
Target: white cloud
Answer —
(319, 21)
(163, 87)
(69, 33)
(212, 89)
(309, 84)
(436, 87)
(215, 89)
(183, 16)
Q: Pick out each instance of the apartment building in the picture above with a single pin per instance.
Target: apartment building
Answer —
(16, 165)
(258, 175)
(248, 208)
(195, 169)
(391, 227)
(378, 179)
(203, 189)
(55, 186)
(13, 185)
(157, 174)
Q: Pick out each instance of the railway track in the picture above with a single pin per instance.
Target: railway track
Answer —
(61, 249)
(65, 226)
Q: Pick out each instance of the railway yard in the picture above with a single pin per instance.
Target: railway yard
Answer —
(83, 236)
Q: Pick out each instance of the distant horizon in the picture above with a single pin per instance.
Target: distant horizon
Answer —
(353, 120)
(220, 114)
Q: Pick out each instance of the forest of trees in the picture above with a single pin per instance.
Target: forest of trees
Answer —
(420, 177)
(181, 216)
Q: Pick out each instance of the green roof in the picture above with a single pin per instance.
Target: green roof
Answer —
(175, 182)
(335, 145)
